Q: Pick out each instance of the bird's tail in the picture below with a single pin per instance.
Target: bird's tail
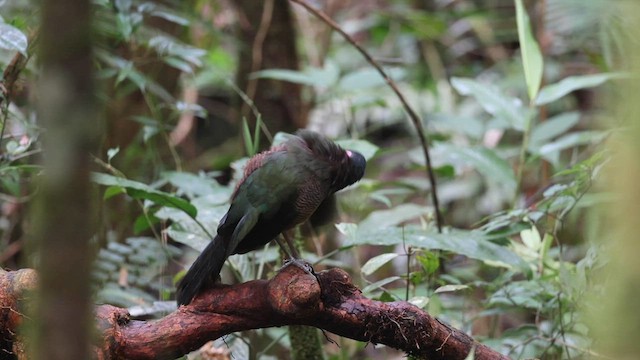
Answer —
(204, 271)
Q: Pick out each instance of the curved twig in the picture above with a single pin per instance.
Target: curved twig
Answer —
(415, 119)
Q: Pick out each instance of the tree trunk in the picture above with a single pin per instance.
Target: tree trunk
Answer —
(267, 41)
(64, 212)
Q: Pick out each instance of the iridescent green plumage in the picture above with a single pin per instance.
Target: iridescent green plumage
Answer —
(280, 189)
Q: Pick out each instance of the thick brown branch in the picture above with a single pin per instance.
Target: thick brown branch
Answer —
(328, 301)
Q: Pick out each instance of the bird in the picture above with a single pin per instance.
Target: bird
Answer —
(280, 189)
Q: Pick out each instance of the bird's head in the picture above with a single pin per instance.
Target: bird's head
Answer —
(347, 166)
(357, 165)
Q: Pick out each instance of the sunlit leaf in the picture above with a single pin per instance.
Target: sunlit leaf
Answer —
(484, 160)
(13, 39)
(138, 190)
(379, 284)
(364, 147)
(377, 262)
(368, 78)
(450, 288)
(419, 301)
(472, 244)
(531, 56)
(555, 91)
(553, 127)
(394, 216)
(505, 108)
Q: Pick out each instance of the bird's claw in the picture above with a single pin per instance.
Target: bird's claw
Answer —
(302, 264)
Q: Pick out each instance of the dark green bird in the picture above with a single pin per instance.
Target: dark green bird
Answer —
(280, 189)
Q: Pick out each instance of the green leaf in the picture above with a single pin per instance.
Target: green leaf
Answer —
(112, 191)
(111, 153)
(394, 216)
(531, 238)
(367, 78)
(450, 288)
(377, 262)
(472, 244)
(293, 76)
(193, 186)
(196, 241)
(531, 56)
(484, 160)
(13, 39)
(138, 190)
(506, 109)
(367, 149)
(379, 284)
(555, 91)
(144, 222)
(553, 127)
(430, 262)
(572, 140)
(419, 301)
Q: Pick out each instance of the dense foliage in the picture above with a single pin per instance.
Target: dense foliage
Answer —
(511, 98)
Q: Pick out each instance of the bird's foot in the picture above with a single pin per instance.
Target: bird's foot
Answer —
(302, 264)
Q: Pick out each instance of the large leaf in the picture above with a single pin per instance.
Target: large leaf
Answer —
(321, 77)
(184, 229)
(394, 216)
(194, 185)
(377, 262)
(553, 127)
(484, 160)
(555, 91)
(138, 190)
(368, 78)
(12, 39)
(506, 109)
(472, 244)
(531, 56)
(367, 149)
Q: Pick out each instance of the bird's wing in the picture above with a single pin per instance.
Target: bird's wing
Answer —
(245, 225)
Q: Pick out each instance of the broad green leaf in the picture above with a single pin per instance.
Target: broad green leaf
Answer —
(472, 244)
(194, 185)
(195, 241)
(572, 140)
(377, 262)
(143, 222)
(555, 91)
(506, 109)
(13, 39)
(380, 283)
(528, 294)
(367, 149)
(531, 238)
(139, 190)
(531, 57)
(553, 127)
(394, 216)
(367, 78)
(419, 301)
(450, 288)
(320, 77)
(484, 160)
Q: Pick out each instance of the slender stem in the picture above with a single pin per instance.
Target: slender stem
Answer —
(415, 119)
(522, 158)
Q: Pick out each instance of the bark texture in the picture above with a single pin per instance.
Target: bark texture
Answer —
(64, 211)
(328, 301)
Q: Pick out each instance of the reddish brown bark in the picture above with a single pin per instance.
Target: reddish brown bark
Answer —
(328, 301)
